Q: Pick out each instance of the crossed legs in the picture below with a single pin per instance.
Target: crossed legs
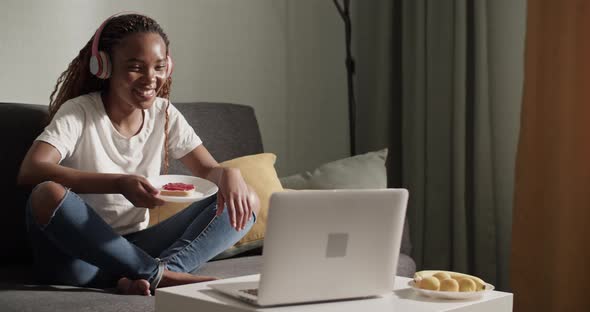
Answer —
(61, 219)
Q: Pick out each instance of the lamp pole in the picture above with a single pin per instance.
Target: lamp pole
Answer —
(344, 10)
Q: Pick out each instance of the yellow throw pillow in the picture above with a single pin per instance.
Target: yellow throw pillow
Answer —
(166, 211)
(258, 172)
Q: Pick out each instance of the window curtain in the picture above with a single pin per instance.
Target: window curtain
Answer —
(550, 250)
(440, 83)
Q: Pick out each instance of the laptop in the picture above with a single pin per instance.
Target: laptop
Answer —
(326, 245)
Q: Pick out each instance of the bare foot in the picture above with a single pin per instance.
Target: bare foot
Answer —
(177, 278)
(133, 287)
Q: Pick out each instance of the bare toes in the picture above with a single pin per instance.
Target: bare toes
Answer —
(133, 287)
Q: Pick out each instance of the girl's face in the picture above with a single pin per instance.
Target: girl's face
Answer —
(139, 70)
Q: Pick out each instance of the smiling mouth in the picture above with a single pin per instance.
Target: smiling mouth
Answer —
(145, 93)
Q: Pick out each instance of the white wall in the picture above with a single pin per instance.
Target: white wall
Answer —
(283, 57)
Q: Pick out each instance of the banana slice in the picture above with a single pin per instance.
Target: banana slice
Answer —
(479, 283)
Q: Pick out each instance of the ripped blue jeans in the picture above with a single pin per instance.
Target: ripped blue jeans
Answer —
(78, 248)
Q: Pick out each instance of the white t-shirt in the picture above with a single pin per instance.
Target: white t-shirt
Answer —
(87, 140)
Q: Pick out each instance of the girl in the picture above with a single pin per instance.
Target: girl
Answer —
(111, 125)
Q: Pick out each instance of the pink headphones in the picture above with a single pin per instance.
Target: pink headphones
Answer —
(100, 63)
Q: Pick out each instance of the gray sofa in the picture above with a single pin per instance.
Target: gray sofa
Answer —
(228, 130)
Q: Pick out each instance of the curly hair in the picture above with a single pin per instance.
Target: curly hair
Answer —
(77, 80)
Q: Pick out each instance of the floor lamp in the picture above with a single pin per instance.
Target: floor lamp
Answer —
(344, 10)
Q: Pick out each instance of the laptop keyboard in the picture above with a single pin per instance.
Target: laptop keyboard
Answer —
(253, 291)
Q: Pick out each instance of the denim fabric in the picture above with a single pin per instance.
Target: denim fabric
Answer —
(78, 248)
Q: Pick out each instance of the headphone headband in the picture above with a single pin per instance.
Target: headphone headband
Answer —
(100, 64)
(96, 37)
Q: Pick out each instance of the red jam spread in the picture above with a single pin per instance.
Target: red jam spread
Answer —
(178, 187)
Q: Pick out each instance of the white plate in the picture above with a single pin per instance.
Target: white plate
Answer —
(203, 188)
(450, 294)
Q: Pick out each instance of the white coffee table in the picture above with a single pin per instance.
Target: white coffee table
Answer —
(199, 297)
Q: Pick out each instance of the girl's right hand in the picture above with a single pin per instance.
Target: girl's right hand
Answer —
(139, 191)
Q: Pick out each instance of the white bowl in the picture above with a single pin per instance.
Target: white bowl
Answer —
(450, 294)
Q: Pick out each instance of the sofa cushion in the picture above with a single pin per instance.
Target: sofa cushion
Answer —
(18, 298)
(234, 267)
(360, 172)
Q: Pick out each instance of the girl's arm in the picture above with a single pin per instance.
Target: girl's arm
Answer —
(41, 164)
(234, 193)
(201, 164)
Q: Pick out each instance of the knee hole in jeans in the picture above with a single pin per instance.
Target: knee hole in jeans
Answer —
(45, 199)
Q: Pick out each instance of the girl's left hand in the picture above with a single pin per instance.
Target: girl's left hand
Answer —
(239, 198)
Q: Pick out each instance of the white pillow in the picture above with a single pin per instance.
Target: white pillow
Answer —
(357, 172)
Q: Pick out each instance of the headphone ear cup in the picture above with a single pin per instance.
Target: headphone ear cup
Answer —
(169, 66)
(104, 63)
(94, 65)
(97, 64)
